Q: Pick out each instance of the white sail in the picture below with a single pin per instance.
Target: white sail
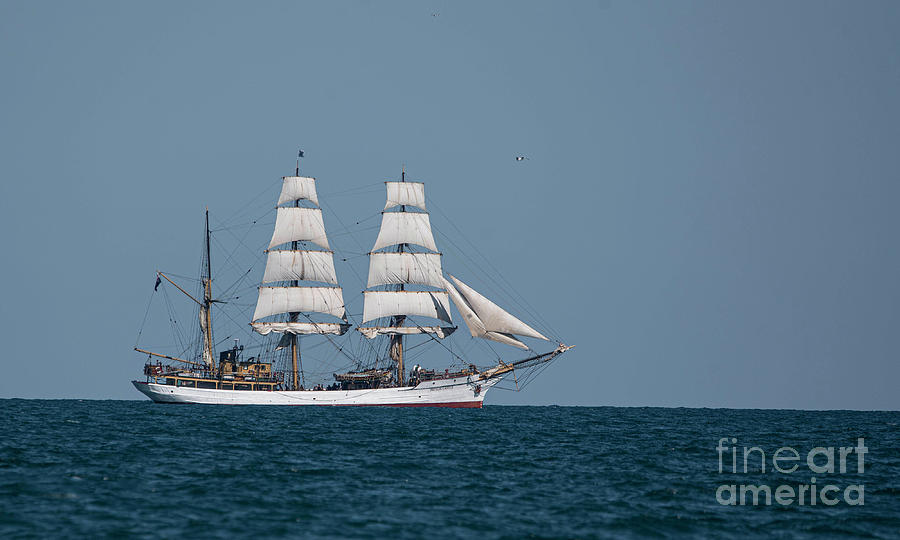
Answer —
(265, 328)
(295, 188)
(476, 327)
(422, 303)
(405, 228)
(506, 339)
(292, 224)
(491, 318)
(274, 300)
(287, 265)
(405, 193)
(372, 332)
(405, 268)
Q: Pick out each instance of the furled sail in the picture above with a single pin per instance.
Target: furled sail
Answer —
(391, 303)
(405, 268)
(405, 228)
(372, 332)
(275, 300)
(293, 224)
(486, 319)
(204, 327)
(295, 188)
(265, 328)
(405, 194)
(288, 265)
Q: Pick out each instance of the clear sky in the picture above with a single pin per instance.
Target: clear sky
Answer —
(709, 210)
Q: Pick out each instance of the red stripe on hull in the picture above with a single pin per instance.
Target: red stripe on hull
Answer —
(452, 405)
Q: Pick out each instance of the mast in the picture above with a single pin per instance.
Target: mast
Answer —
(295, 315)
(206, 312)
(290, 265)
(400, 265)
(397, 339)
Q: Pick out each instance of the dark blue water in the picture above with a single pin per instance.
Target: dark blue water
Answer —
(118, 468)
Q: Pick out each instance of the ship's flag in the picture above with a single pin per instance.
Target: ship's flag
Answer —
(158, 281)
(300, 153)
(521, 158)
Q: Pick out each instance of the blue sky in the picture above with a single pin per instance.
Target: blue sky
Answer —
(709, 208)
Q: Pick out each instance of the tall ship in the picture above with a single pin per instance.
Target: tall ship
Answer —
(299, 301)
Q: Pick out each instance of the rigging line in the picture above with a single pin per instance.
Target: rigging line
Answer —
(233, 251)
(510, 297)
(264, 191)
(489, 346)
(223, 312)
(533, 374)
(371, 186)
(340, 349)
(407, 349)
(347, 230)
(176, 330)
(349, 318)
(243, 224)
(146, 313)
(529, 308)
(434, 338)
(179, 276)
(253, 222)
(341, 221)
(254, 253)
(235, 284)
(224, 265)
(353, 232)
(354, 194)
(541, 322)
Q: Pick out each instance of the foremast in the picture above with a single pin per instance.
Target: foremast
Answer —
(405, 254)
(300, 281)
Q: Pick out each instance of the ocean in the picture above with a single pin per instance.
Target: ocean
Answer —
(72, 468)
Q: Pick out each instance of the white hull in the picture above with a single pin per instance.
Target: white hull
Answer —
(456, 392)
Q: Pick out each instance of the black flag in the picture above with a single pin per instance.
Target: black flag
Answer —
(158, 281)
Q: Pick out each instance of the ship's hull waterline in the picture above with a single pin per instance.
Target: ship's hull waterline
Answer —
(460, 392)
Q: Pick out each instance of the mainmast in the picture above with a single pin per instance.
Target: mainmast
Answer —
(396, 348)
(287, 268)
(397, 268)
(296, 364)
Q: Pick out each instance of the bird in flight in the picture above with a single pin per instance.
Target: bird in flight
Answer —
(521, 158)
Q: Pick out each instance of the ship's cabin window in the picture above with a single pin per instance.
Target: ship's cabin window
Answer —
(170, 381)
(227, 386)
(187, 384)
(240, 386)
(206, 384)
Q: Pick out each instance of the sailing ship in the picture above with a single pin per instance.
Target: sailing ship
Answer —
(407, 295)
